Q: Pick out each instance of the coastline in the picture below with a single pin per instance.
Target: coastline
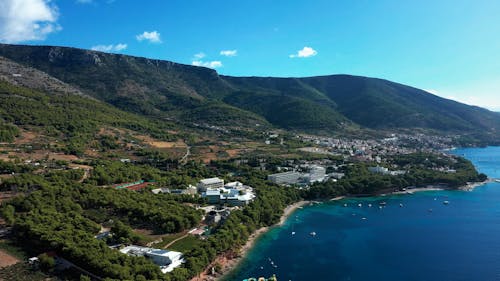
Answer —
(228, 263)
(468, 187)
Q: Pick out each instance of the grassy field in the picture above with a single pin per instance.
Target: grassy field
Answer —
(186, 244)
(167, 239)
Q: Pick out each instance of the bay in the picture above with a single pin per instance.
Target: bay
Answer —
(414, 237)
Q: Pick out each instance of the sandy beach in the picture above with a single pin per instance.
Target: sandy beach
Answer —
(229, 262)
(472, 185)
(420, 189)
(468, 187)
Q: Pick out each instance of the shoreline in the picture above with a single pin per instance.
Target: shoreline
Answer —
(228, 264)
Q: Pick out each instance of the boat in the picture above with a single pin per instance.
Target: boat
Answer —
(383, 203)
(293, 232)
(313, 233)
(345, 205)
(497, 180)
(446, 202)
(401, 205)
(363, 218)
(370, 205)
(360, 205)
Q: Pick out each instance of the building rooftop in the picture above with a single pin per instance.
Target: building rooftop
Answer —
(211, 180)
(175, 258)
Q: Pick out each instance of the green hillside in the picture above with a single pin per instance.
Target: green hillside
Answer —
(71, 119)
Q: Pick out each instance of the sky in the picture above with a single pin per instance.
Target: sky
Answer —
(450, 48)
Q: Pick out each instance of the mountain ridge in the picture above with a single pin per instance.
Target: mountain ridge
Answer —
(327, 103)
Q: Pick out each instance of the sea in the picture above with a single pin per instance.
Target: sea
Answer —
(425, 236)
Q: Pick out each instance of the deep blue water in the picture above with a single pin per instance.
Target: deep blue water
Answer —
(458, 241)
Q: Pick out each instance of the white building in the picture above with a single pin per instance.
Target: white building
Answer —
(211, 183)
(233, 193)
(285, 178)
(317, 174)
(378, 170)
(166, 260)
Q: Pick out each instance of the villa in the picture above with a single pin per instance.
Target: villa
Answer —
(166, 260)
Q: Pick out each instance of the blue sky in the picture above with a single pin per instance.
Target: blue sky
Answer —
(451, 48)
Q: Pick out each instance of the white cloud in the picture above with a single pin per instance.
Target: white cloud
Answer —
(229, 53)
(304, 53)
(210, 64)
(110, 48)
(151, 36)
(27, 20)
(199, 56)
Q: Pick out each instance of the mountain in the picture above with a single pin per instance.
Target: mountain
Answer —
(185, 93)
(55, 114)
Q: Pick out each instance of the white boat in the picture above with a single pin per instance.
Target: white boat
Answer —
(360, 205)
(313, 233)
(293, 232)
(345, 205)
(401, 205)
(383, 203)
(363, 218)
(370, 205)
(446, 202)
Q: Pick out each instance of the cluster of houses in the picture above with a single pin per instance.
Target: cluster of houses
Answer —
(216, 192)
(231, 194)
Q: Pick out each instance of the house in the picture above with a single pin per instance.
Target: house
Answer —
(166, 260)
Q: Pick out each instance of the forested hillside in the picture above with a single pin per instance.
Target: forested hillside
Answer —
(184, 93)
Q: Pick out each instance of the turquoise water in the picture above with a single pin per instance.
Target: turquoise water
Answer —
(457, 241)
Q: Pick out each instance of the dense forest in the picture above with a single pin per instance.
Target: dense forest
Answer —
(58, 214)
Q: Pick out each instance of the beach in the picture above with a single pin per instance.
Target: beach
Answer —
(229, 262)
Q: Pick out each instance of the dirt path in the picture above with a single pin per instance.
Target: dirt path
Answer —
(173, 242)
(7, 260)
